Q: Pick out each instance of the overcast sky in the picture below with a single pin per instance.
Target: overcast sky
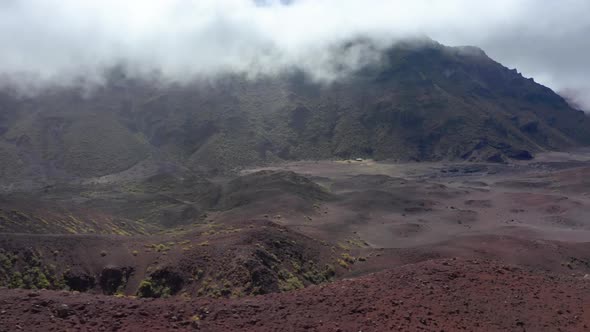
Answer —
(56, 40)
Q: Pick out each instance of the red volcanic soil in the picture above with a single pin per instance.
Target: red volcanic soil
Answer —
(436, 295)
(518, 234)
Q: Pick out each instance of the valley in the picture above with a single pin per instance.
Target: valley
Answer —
(407, 245)
(419, 187)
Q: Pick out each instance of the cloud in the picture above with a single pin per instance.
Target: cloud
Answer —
(57, 40)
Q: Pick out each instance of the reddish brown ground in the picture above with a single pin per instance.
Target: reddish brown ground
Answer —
(437, 295)
(519, 235)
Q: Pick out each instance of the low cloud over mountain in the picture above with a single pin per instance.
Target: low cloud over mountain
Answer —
(61, 41)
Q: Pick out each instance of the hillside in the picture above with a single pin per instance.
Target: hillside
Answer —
(439, 295)
(422, 101)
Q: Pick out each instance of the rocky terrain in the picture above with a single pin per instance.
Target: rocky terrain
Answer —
(421, 192)
(438, 295)
(327, 246)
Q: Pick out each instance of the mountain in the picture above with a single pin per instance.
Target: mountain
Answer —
(421, 101)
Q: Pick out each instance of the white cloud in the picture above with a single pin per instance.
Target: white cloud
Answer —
(59, 39)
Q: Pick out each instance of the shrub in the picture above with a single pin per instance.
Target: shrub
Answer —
(160, 247)
(16, 281)
(348, 258)
(146, 289)
(342, 263)
(288, 281)
(157, 286)
(329, 272)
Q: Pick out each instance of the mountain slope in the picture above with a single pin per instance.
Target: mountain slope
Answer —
(422, 101)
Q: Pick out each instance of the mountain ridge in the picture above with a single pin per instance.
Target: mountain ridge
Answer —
(422, 101)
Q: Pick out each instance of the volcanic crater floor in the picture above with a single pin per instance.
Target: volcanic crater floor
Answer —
(306, 246)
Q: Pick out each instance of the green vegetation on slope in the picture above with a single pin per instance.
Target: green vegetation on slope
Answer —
(423, 101)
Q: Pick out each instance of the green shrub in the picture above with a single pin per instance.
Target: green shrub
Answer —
(288, 281)
(348, 258)
(342, 263)
(151, 288)
(16, 281)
